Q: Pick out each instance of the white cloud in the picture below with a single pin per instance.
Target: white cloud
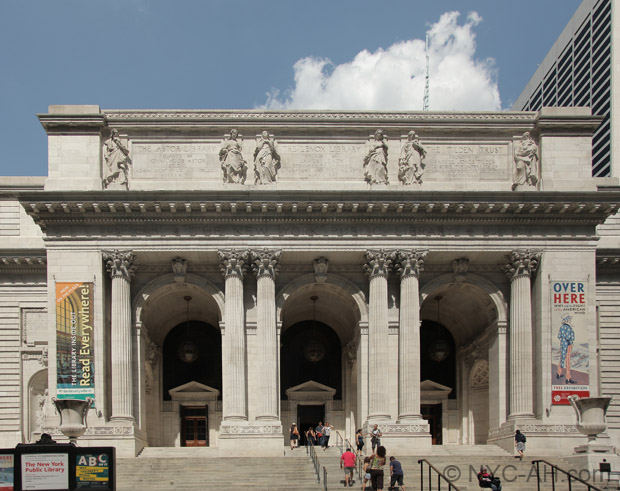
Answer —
(394, 78)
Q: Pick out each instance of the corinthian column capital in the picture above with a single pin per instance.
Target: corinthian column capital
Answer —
(410, 263)
(120, 264)
(378, 263)
(265, 263)
(233, 263)
(521, 263)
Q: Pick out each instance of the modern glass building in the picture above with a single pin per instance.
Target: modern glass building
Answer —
(578, 71)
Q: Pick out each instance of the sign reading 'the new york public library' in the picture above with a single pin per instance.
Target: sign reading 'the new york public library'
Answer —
(74, 341)
(570, 358)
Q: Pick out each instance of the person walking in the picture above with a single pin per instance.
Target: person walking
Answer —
(318, 432)
(294, 434)
(327, 431)
(310, 437)
(366, 472)
(377, 461)
(520, 444)
(359, 437)
(375, 437)
(396, 473)
(347, 461)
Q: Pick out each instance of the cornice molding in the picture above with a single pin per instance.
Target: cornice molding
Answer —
(21, 263)
(488, 208)
(119, 115)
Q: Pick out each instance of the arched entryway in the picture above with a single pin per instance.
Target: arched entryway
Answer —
(319, 349)
(180, 368)
(470, 311)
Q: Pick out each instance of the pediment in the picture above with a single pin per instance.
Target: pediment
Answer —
(434, 390)
(311, 390)
(194, 391)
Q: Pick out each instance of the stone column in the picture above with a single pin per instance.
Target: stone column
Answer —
(121, 268)
(409, 266)
(520, 267)
(377, 268)
(266, 269)
(234, 385)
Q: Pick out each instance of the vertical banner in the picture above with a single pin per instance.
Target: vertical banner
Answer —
(7, 476)
(570, 352)
(75, 355)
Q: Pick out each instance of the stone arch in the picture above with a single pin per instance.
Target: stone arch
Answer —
(341, 304)
(167, 280)
(333, 280)
(489, 287)
(491, 307)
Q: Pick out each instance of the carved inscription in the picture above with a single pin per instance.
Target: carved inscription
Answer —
(467, 162)
(175, 160)
(321, 160)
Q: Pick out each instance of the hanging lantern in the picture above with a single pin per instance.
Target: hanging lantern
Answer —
(439, 348)
(188, 350)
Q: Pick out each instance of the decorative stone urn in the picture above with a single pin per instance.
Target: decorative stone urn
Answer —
(73, 416)
(591, 413)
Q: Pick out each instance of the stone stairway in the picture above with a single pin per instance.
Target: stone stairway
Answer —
(159, 469)
(193, 468)
(462, 465)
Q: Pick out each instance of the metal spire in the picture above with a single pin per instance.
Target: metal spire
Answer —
(425, 104)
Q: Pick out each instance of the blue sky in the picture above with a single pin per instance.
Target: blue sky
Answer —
(356, 54)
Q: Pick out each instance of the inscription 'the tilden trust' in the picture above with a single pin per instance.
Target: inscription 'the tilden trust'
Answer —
(322, 161)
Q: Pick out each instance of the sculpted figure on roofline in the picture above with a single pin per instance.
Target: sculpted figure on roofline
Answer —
(234, 167)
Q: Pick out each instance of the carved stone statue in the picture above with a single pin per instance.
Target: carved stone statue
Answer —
(116, 162)
(526, 162)
(266, 159)
(375, 162)
(234, 167)
(411, 161)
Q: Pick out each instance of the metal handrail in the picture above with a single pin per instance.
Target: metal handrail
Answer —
(324, 478)
(339, 442)
(567, 473)
(315, 460)
(440, 476)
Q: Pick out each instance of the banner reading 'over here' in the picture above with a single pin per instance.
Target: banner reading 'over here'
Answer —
(570, 352)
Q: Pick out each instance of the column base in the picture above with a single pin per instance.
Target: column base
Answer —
(250, 440)
(590, 456)
(403, 437)
(543, 439)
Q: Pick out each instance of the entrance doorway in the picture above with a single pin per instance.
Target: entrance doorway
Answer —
(194, 427)
(432, 414)
(308, 416)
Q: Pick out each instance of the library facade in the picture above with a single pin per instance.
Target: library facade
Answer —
(209, 278)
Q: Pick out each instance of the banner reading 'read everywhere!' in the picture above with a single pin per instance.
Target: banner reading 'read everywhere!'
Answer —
(570, 351)
(75, 357)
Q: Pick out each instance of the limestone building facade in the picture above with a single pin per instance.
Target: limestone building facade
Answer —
(211, 277)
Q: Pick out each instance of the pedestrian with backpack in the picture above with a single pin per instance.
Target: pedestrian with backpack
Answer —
(520, 444)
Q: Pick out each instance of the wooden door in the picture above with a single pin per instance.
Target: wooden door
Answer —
(194, 427)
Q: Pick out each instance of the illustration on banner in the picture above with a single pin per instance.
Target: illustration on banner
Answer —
(570, 359)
